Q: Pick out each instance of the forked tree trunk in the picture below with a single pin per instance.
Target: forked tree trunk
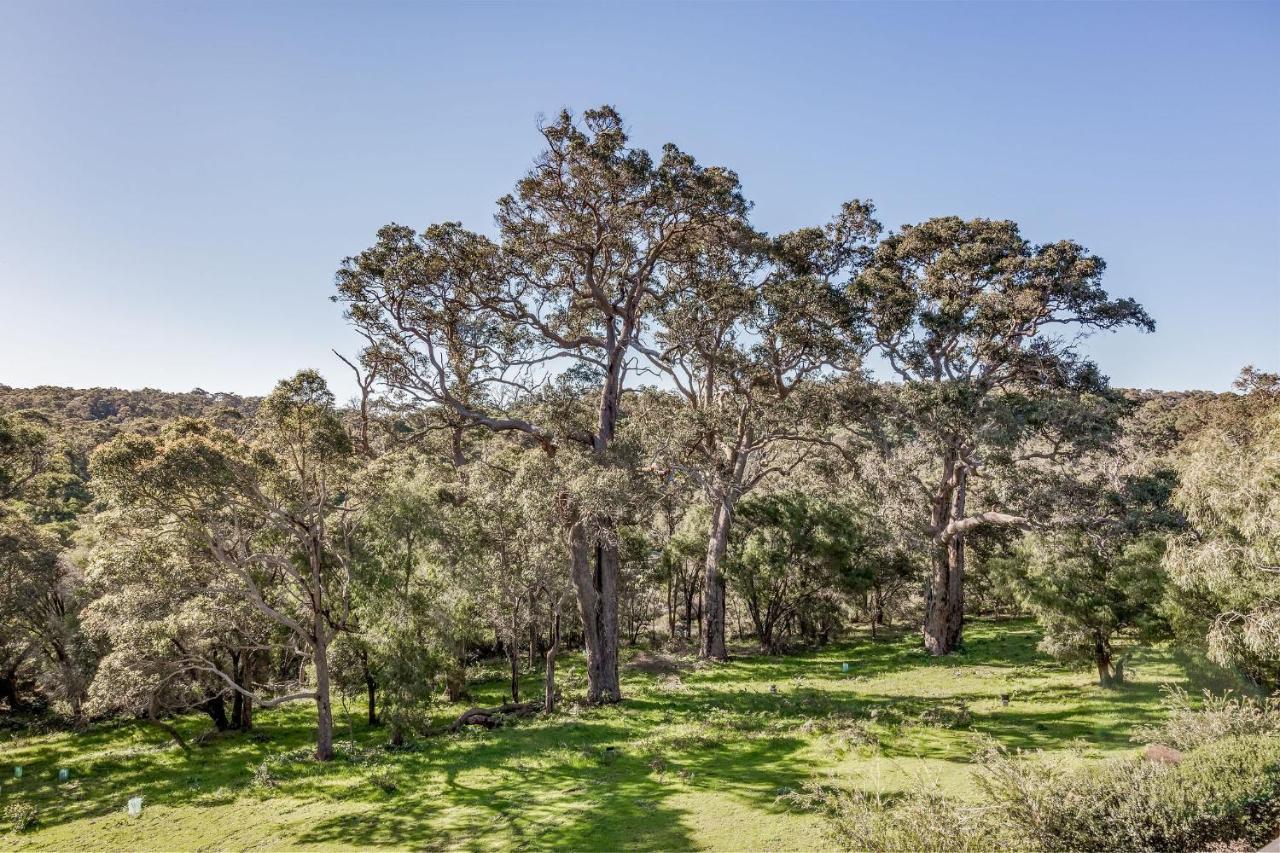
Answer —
(1102, 657)
(595, 580)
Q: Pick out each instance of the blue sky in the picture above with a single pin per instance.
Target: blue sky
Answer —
(179, 181)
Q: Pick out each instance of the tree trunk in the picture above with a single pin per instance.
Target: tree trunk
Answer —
(1102, 657)
(513, 654)
(595, 578)
(944, 604)
(371, 687)
(9, 690)
(216, 708)
(549, 684)
(713, 588)
(246, 714)
(324, 712)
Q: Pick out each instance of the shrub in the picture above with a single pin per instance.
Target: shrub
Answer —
(384, 779)
(263, 777)
(20, 815)
(1221, 792)
(923, 820)
(1222, 795)
(1187, 727)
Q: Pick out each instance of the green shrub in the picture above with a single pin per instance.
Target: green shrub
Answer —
(1221, 792)
(924, 820)
(20, 815)
(385, 780)
(1187, 726)
(262, 775)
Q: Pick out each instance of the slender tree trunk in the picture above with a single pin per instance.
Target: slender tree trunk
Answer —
(324, 711)
(237, 698)
(549, 683)
(713, 588)
(513, 655)
(371, 687)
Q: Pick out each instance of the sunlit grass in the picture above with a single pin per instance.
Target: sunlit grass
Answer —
(695, 758)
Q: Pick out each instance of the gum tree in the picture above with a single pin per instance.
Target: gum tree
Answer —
(964, 312)
(270, 512)
(473, 326)
(747, 326)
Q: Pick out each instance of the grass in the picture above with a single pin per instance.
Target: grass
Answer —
(695, 758)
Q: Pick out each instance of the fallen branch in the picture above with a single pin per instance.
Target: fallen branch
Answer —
(494, 717)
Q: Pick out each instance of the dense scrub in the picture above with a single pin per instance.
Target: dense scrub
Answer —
(1223, 792)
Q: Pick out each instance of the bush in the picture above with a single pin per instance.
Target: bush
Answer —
(20, 815)
(384, 779)
(1222, 795)
(1222, 792)
(1187, 727)
(923, 820)
(263, 777)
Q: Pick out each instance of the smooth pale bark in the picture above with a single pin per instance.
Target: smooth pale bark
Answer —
(324, 712)
(713, 591)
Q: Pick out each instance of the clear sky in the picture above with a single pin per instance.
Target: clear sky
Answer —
(179, 180)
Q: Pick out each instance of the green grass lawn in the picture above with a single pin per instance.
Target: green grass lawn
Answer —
(695, 758)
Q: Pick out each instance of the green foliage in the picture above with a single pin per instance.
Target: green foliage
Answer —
(923, 818)
(1225, 791)
(1225, 575)
(20, 814)
(1216, 717)
(793, 556)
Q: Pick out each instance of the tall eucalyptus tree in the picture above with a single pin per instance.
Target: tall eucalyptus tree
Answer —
(473, 326)
(962, 311)
(746, 328)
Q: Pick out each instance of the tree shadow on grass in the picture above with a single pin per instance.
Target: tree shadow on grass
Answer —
(588, 785)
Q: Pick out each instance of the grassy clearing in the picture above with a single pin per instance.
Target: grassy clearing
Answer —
(695, 758)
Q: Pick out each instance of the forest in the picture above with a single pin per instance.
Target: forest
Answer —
(635, 495)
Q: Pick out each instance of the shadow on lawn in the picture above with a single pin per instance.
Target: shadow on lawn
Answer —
(583, 785)
(608, 777)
